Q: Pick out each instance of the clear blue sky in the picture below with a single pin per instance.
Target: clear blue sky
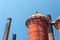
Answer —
(19, 10)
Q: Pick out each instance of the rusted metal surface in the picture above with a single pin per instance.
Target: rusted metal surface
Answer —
(37, 27)
(57, 24)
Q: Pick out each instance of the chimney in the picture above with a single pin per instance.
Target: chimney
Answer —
(57, 24)
(37, 26)
(7, 29)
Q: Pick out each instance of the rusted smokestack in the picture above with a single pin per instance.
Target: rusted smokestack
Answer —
(57, 24)
(37, 27)
(6, 33)
(50, 29)
(14, 37)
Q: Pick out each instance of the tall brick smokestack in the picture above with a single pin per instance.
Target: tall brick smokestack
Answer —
(7, 29)
(37, 26)
(50, 29)
(57, 24)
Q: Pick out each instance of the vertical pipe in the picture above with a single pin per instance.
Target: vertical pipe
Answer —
(7, 29)
(50, 29)
(14, 37)
(37, 27)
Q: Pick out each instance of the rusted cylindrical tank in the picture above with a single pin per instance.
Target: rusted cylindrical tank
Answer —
(37, 26)
(57, 24)
(50, 29)
(7, 29)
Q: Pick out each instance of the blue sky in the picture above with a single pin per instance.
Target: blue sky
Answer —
(19, 10)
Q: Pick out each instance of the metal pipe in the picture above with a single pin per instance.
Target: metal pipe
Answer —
(50, 28)
(7, 29)
(14, 37)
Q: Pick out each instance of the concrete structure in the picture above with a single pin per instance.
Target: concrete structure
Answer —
(37, 26)
(50, 29)
(57, 24)
(7, 29)
(14, 37)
